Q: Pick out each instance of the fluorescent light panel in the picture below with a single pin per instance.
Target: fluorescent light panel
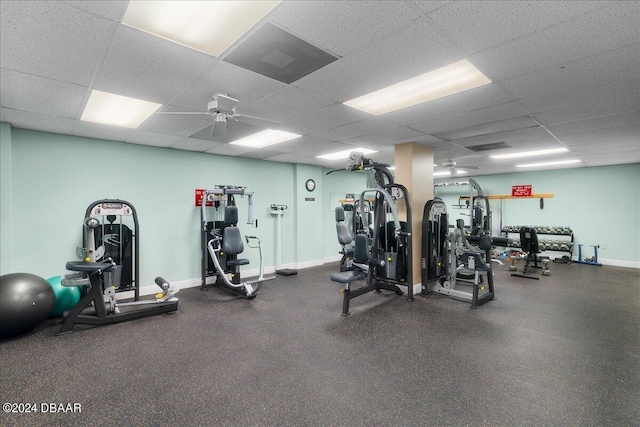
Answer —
(344, 154)
(265, 138)
(560, 162)
(117, 110)
(435, 84)
(530, 153)
(447, 173)
(208, 26)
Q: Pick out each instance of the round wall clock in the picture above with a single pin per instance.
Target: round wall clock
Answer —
(310, 185)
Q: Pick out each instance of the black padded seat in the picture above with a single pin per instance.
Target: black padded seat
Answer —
(348, 276)
(88, 266)
(235, 262)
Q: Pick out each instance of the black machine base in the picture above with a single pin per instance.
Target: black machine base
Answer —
(287, 272)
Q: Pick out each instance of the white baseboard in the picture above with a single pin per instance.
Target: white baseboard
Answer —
(618, 263)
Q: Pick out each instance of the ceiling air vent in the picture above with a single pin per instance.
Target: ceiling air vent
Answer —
(487, 147)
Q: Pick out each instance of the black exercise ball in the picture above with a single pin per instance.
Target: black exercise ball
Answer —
(26, 300)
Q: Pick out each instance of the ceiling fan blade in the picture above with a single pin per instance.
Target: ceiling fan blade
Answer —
(219, 128)
(202, 113)
(225, 102)
(468, 167)
(256, 121)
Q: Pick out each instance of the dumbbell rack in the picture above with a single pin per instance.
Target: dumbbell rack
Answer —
(545, 244)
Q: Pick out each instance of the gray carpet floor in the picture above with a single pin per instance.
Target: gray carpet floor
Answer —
(561, 351)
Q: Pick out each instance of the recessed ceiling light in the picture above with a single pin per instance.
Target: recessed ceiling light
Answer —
(560, 162)
(117, 110)
(265, 138)
(447, 173)
(344, 154)
(531, 153)
(208, 26)
(444, 81)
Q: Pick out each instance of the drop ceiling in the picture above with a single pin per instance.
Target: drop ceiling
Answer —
(564, 74)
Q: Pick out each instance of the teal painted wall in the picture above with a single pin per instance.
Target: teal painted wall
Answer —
(5, 199)
(47, 181)
(55, 177)
(600, 204)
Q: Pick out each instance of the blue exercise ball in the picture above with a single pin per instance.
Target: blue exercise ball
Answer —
(26, 300)
(66, 296)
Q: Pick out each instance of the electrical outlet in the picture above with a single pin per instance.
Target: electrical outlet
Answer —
(603, 246)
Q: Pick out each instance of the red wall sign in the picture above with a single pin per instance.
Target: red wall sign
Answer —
(521, 191)
(199, 193)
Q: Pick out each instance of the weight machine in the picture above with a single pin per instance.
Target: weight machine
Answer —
(449, 262)
(221, 241)
(101, 280)
(382, 253)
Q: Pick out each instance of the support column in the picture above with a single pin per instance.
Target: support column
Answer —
(414, 170)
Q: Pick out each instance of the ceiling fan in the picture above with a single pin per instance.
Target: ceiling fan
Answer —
(454, 168)
(222, 109)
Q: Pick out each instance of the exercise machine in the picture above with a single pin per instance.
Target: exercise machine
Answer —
(101, 280)
(382, 252)
(222, 242)
(449, 263)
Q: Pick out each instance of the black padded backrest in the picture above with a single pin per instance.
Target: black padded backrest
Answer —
(344, 237)
(232, 241)
(361, 250)
(230, 216)
(529, 239)
(339, 214)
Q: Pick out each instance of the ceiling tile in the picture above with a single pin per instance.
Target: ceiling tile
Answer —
(605, 136)
(343, 26)
(363, 127)
(488, 128)
(261, 154)
(586, 35)
(504, 20)
(112, 9)
(311, 147)
(181, 125)
(287, 104)
(606, 149)
(612, 106)
(36, 121)
(244, 85)
(383, 63)
(147, 67)
(328, 118)
(470, 100)
(586, 94)
(152, 138)
(613, 64)
(53, 40)
(531, 134)
(389, 137)
(192, 144)
(26, 92)
(291, 158)
(471, 118)
(609, 121)
(429, 6)
(229, 150)
(101, 131)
